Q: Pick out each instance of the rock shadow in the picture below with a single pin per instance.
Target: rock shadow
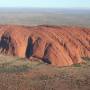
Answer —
(29, 49)
(46, 57)
(5, 43)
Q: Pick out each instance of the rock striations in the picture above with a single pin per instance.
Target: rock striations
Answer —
(60, 46)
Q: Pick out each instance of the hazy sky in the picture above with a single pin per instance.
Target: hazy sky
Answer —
(46, 3)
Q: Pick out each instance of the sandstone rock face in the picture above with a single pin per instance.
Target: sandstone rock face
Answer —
(60, 46)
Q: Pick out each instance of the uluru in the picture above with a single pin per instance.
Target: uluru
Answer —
(55, 45)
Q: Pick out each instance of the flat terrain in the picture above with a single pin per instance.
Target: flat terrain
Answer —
(22, 74)
(45, 16)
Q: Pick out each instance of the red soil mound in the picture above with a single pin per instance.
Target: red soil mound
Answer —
(60, 46)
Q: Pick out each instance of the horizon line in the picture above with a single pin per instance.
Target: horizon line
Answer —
(45, 7)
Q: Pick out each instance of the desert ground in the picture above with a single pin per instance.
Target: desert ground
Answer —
(20, 74)
(35, 16)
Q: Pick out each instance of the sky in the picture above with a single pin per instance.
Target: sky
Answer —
(46, 3)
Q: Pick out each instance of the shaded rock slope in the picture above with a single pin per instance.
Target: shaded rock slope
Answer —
(60, 46)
